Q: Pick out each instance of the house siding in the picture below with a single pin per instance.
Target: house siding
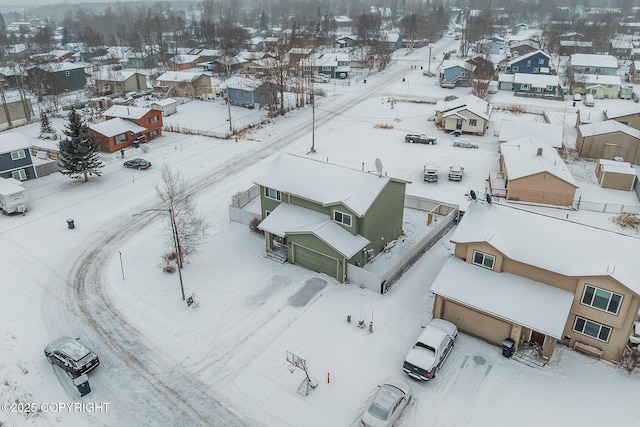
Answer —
(450, 123)
(632, 120)
(383, 221)
(8, 165)
(541, 188)
(527, 65)
(609, 145)
(16, 111)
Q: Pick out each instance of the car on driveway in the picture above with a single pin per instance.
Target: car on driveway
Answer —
(455, 133)
(389, 401)
(73, 357)
(464, 143)
(137, 164)
(431, 350)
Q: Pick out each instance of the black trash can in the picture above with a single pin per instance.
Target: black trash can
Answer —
(508, 347)
(71, 224)
(136, 144)
(82, 383)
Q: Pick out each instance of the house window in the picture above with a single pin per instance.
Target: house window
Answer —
(525, 86)
(536, 69)
(20, 175)
(541, 61)
(529, 63)
(17, 155)
(483, 259)
(601, 299)
(538, 89)
(270, 193)
(550, 88)
(515, 69)
(473, 122)
(342, 218)
(120, 139)
(592, 329)
(66, 73)
(153, 119)
(153, 133)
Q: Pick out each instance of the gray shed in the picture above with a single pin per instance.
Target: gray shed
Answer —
(168, 106)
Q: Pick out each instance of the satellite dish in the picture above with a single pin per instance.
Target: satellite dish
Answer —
(488, 198)
(379, 166)
(472, 194)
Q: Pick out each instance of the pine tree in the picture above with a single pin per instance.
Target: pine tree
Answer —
(46, 130)
(79, 151)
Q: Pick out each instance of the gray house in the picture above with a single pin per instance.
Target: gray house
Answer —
(15, 158)
(323, 216)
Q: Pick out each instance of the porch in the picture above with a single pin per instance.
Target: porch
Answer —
(531, 354)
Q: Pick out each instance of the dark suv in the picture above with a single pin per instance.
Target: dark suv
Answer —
(71, 356)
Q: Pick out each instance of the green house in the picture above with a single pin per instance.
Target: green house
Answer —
(323, 216)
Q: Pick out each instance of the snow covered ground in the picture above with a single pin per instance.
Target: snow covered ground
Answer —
(231, 349)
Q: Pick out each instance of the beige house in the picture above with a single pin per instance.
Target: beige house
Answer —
(186, 83)
(540, 281)
(599, 85)
(468, 114)
(627, 113)
(610, 140)
(533, 172)
(108, 81)
(634, 71)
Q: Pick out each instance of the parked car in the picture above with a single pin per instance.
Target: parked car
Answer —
(321, 78)
(71, 356)
(420, 138)
(588, 100)
(577, 97)
(133, 95)
(390, 400)
(137, 164)
(456, 132)
(431, 350)
(430, 173)
(456, 172)
(464, 143)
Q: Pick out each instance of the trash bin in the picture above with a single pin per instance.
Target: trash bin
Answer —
(365, 80)
(508, 347)
(82, 383)
(403, 79)
(136, 144)
(70, 224)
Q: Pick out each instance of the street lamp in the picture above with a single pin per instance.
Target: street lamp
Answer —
(175, 241)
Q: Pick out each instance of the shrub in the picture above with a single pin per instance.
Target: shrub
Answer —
(253, 226)
(383, 126)
(627, 220)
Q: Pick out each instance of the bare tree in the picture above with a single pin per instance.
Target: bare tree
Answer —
(190, 225)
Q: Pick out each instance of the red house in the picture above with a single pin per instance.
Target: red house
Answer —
(149, 119)
(115, 134)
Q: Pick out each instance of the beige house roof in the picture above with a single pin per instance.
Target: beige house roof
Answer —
(528, 156)
(608, 126)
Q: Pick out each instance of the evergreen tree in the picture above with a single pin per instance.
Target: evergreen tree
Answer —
(78, 150)
(3, 30)
(264, 22)
(46, 130)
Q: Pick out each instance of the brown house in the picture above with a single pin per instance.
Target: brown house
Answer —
(185, 83)
(532, 171)
(609, 140)
(539, 281)
(116, 134)
(149, 119)
(627, 113)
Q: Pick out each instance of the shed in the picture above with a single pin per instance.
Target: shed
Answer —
(168, 106)
(616, 175)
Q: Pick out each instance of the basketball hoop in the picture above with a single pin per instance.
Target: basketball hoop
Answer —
(292, 368)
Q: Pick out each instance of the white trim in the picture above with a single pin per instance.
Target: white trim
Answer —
(278, 197)
(590, 336)
(594, 294)
(343, 214)
(484, 257)
(19, 154)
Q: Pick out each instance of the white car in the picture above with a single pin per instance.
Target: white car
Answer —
(431, 350)
(464, 143)
(321, 78)
(391, 398)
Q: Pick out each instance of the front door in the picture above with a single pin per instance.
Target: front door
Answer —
(537, 337)
(459, 124)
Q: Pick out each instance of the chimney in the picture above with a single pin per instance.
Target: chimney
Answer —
(539, 154)
(128, 111)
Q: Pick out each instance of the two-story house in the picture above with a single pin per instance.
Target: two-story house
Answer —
(15, 157)
(115, 134)
(107, 81)
(324, 216)
(539, 281)
(536, 62)
(186, 83)
(56, 78)
(149, 119)
(582, 63)
(455, 73)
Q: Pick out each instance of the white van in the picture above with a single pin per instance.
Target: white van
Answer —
(12, 196)
(588, 100)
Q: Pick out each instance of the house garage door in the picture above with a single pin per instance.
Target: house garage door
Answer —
(315, 261)
(476, 323)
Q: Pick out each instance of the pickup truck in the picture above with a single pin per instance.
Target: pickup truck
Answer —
(431, 350)
(430, 173)
(455, 173)
(421, 139)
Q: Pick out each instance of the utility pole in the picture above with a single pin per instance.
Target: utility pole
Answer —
(228, 69)
(429, 67)
(313, 119)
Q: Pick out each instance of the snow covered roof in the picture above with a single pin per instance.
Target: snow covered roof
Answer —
(291, 219)
(596, 79)
(116, 126)
(588, 60)
(164, 102)
(477, 287)
(126, 112)
(521, 159)
(450, 63)
(553, 244)
(11, 141)
(608, 126)
(114, 76)
(242, 83)
(527, 56)
(624, 168)
(621, 110)
(54, 67)
(324, 183)
(184, 59)
(180, 76)
(536, 80)
(512, 129)
(476, 105)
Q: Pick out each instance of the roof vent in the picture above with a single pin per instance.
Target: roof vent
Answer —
(539, 153)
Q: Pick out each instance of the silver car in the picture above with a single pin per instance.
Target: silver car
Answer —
(391, 398)
(464, 143)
